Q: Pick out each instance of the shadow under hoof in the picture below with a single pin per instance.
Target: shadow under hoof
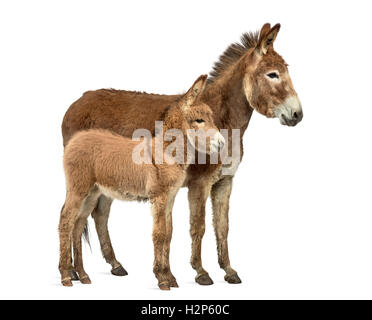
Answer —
(164, 286)
(234, 279)
(204, 280)
(73, 275)
(119, 271)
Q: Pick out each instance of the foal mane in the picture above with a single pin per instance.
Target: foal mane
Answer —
(232, 54)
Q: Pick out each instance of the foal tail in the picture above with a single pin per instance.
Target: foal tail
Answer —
(86, 236)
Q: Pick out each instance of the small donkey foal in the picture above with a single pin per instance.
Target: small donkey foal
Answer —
(99, 162)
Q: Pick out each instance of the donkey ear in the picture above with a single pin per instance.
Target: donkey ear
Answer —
(195, 91)
(267, 38)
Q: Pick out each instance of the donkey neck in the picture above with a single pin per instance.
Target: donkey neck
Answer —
(226, 97)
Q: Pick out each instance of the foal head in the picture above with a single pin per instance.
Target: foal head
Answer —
(195, 119)
(266, 82)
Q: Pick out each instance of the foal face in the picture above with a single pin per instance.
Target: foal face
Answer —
(267, 85)
(207, 137)
(199, 126)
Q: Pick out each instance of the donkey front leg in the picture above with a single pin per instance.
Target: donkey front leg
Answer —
(101, 215)
(198, 195)
(220, 195)
(160, 239)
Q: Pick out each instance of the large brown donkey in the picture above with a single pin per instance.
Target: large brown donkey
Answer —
(249, 76)
(98, 162)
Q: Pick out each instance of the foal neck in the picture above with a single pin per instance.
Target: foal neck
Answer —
(173, 120)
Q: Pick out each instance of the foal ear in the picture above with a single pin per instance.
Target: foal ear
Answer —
(267, 38)
(195, 91)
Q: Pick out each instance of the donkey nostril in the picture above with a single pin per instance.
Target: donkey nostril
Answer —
(295, 115)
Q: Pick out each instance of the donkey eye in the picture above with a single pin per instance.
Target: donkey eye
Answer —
(273, 75)
(199, 120)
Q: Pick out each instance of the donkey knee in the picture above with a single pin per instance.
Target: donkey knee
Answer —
(197, 232)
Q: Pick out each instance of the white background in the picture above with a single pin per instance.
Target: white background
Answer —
(300, 214)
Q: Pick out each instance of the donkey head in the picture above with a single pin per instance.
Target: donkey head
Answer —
(266, 82)
(197, 118)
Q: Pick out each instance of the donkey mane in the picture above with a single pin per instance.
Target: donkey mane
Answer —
(232, 54)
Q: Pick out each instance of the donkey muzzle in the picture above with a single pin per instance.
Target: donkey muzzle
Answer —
(290, 112)
(295, 118)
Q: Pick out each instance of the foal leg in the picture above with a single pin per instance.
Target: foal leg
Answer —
(73, 274)
(198, 195)
(169, 229)
(159, 238)
(220, 195)
(69, 214)
(100, 215)
(87, 207)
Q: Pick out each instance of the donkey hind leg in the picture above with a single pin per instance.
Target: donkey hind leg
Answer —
(100, 215)
(69, 213)
(220, 195)
(160, 239)
(87, 207)
(169, 229)
(198, 195)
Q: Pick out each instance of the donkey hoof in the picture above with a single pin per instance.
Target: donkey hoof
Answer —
(173, 283)
(67, 282)
(204, 280)
(119, 271)
(233, 278)
(85, 280)
(164, 286)
(73, 275)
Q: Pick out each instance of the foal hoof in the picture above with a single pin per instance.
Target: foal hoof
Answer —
(119, 271)
(67, 282)
(204, 280)
(85, 280)
(233, 278)
(73, 275)
(164, 286)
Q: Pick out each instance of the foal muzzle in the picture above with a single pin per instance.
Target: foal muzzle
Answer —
(217, 143)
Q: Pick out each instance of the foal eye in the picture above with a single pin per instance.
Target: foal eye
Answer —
(273, 75)
(199, 120)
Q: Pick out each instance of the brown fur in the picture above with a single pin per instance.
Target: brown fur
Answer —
(233, 53)
(237, 86)
(98, 162)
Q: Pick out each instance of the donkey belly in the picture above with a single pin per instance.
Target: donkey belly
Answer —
(121, 194)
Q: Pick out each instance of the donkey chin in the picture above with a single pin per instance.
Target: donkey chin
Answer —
(289, 112)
